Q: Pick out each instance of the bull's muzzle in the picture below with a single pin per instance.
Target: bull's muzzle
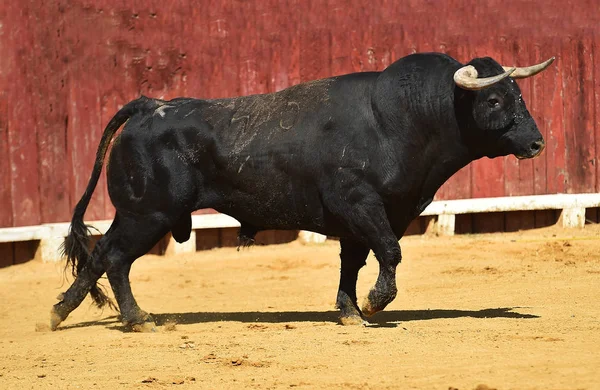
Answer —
(534, 150)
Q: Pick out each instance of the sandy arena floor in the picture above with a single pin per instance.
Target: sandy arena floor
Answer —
(502, 311)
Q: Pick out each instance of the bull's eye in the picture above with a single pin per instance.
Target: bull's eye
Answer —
(494, 101)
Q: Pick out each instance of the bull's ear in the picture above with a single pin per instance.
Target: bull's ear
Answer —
(521, 73)
(466, 78)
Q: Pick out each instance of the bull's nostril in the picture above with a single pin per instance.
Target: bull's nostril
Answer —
(537, 145)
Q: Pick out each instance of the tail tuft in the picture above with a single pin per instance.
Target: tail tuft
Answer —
(76, 250)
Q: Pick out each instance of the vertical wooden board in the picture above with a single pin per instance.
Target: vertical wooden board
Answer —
(6, 254)
(341, 47)
(596, 88)
(314, 54)
(555, 141)
(228, 39)
(314, 13)
(260, 62)
(488, 222)
(6, 74)
(544, 218)
(295, 42)
(276, 38)
(52, 110)
(229, 237)
(266, 237)
(579, 138)
(586, 119)
(519, 220)
(6, 215)
(197, 52)
(487, 178)
(249, 77)
(570, 88)
(207, 239)
(463, 224)
(22, 122)
(538, 106)
(24, 251)
(398, 46)
(383, 38)
(369, 52)
(458, 186)
(84, 130)
(591, 215)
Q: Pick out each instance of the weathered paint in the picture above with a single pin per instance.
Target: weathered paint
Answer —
(67, 66)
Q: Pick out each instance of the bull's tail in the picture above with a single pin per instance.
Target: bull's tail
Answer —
(76, 245)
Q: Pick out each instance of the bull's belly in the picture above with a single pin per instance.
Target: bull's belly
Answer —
(273, 212)
(273, 204)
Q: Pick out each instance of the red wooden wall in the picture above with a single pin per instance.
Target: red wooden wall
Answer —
(67, 66)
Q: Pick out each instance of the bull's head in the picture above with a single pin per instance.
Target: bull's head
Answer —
(492, 112)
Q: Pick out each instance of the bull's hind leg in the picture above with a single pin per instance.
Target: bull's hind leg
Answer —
(72, 298)
(85, 282)
(133, 237)
(353, 257)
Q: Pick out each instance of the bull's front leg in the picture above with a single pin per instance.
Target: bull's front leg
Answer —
(366, 218)
(384, 291)
(353, 256)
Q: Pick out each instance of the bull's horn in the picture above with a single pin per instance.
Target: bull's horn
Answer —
(466, 78)
(521, 73)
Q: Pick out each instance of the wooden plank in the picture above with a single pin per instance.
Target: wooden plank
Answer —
(579, 140)
(207, 239)
(544, 218)
(555, 142)
(24, 251)
(6, 73)
(52, 112)
(83, 129)
(6, 216)
(228, 237)
(6, 254)
(539, 108)
(315, 45)
(488, 222)
(596, 89)
(519, 220)
(592, 215)
(463, 224)
(341, 46)
(22, 120)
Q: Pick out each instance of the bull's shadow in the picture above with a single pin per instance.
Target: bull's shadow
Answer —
(386, 318)
(383, 319)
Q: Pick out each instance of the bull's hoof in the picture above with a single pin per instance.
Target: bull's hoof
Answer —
(353, 320)
(55, 319)
(145, 327)
(377, 301)
(143, 323)
(349, 312)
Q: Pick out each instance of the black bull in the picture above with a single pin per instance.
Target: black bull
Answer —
(356, 156)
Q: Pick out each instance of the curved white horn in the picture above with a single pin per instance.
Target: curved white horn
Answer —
(466, 78)
(521, 73)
